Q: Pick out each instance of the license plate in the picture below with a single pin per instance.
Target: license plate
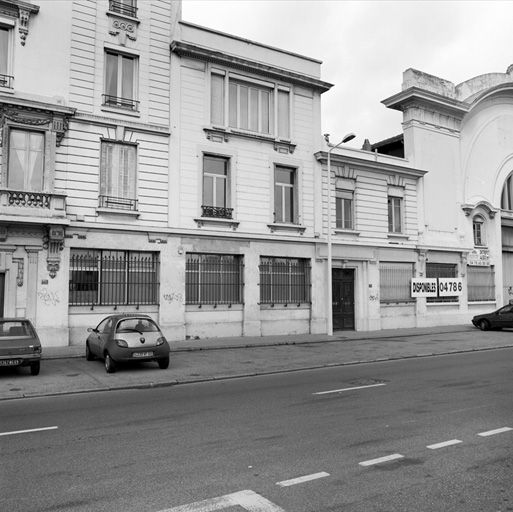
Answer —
(10, 362)
(142, 354)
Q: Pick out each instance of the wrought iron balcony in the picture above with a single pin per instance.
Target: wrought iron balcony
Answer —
(118, 203)
(116, 101)
(217, 212)
(32, 204)
(123, 8)
(6, 81)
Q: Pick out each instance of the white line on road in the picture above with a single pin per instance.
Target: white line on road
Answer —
(496, 431)
(301, 479)
(387, 458)
(26, 431)
(443, 444)
(348, 389)
(248, 500)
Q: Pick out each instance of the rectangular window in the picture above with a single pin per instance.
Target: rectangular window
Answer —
(213, 279)
(251, 106)
(5, 47)
(441, 270)
(394, 214)
(126, 7)
(26, 160)
(481, 283)
(120, 80)
(118, 175)
(394, 281)
(344, 209)
(284, 280)
(216, 191)
(104, 277)
(285, 194)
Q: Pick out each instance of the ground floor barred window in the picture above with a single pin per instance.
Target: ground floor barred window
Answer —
(284, 280)
(213, 279)
(435, 270)
(104, 277)
(480, 283)
(395, 281)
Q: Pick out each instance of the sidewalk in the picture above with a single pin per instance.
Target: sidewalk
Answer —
(64, 370)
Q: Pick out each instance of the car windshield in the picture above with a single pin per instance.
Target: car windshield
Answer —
(10, 328)
(137, 324)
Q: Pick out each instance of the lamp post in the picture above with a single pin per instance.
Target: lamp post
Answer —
(347, 138)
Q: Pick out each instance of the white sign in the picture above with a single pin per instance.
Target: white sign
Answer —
(479, 258)
(449, 286)
(424, 287)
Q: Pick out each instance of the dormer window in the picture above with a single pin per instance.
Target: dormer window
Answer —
(478, 231)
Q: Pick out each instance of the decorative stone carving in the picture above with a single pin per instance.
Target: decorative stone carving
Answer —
(19, 274)
(123, 29)
(53, 242)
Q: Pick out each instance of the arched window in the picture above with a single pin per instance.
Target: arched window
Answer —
(478, 230)
(507, 194)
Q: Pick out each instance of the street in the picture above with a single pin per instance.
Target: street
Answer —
(429, 434)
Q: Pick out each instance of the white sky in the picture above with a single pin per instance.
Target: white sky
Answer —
(366, 45)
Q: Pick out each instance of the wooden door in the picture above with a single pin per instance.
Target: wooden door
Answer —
(343, 299)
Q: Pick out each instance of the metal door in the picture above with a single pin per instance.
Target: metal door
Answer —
(343, 299)
(2, 291)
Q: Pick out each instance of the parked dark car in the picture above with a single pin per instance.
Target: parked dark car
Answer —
(126, 338)
(503, 317)
(19, 344)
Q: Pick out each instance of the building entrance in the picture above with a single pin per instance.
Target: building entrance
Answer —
(2, 291)
(343, 299)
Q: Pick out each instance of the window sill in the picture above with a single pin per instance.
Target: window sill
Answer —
(214, 221)
(217, 134)
(479, 302)
(281, 305)
(119, 110)
(396, 237)
(213, 307)
(457, 303)
(124, 16)
(352, 232)
(6, 90)
(391, 303)
(117, 211)
(286, 227)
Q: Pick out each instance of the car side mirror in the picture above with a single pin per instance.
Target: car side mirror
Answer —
(90, 329)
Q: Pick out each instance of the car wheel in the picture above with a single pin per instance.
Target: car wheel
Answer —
(110, 366)
(163, 363)
(34, 368)
(89, 354)
(484, 325)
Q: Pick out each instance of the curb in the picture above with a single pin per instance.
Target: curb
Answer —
(176, 382)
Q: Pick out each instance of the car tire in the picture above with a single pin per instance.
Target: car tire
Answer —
(163, 363)
(34, 368)
(89, 354)
(110, 365)
(484, 325)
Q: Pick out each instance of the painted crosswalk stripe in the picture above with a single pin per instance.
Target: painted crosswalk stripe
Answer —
(301, 479)
(247, 500)
(387, 458)
(496, 431)
(13, 432)
(348, 389)
(443, 444)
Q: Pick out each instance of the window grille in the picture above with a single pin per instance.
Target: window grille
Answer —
(395, 281)
(284, 280)
(103, 277)
(213, 279)
(441, 270)
(480, 283)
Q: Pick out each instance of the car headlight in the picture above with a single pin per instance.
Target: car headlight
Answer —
(121, 343)
(161, 341)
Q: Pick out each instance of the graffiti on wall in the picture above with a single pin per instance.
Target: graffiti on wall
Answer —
(173, 297)
(48, 298)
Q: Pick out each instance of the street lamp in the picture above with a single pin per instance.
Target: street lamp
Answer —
(347, 138)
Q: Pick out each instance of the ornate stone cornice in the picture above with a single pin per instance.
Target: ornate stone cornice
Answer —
(22, 11)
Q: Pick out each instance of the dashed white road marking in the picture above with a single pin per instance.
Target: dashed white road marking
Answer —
(13, 432)
(443, 444)
(248, 500)
(348, 389)
(496, 431)
(301, 479)
(387, 458)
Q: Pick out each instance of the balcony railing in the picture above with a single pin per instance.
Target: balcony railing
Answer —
(32, 204)
(217, 212)
(118, 203)
(6, 81)
(116, 101)
(123, 8)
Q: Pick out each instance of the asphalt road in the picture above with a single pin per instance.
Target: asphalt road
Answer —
(430, 434)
